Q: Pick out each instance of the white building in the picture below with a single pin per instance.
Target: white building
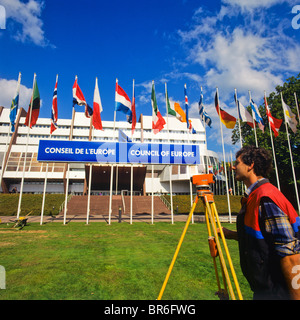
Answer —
(13, 149)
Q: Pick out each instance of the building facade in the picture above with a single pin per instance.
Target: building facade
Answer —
(147, 179)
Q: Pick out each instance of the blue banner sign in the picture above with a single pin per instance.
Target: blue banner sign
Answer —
(117, 152)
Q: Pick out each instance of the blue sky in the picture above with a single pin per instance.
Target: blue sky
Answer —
(247, 45)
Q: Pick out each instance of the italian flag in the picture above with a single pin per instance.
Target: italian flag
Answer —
(158, 121)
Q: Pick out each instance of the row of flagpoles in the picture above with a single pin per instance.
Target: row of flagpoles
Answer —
(125, 105)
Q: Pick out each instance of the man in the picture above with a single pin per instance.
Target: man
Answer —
(268, 231)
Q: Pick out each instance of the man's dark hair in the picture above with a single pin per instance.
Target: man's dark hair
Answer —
(260, 157)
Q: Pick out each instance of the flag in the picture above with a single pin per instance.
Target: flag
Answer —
(34, 106)
(133, 112)
(257, 116)
(123, 137)
(274, 122)
(97, 108)
(186, 102)
(54, 114)
(244, 115)
(289, 116)
(158, 121)
(123, 103)
(14, 106)
(175, 110)
(78, 98)
(227, 119)
(203, 115)
(188, 121)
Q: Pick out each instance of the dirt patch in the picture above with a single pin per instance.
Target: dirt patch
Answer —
(23, 231)
(6, 244)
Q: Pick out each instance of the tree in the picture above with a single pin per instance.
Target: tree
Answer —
(280, 143)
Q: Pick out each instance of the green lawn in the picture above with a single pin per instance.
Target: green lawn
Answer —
(118, 261)
(33, 203)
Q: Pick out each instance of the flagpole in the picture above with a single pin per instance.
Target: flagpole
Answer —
(297, 105)
(46, 177)
(90, 177)
(232, 174)
(112, 166)
(26, 150)
(274, 156)
(291, 157)
(170, 167)
(91, 167)
(8, 133)
(152, 171)
(228, 200)
(131, 171)
(238, 112)
(68, 164)
(204, 127)
(188, 131)
(115, 108)
(4, 156)
(254, 125)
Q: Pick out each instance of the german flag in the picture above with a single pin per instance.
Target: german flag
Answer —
(227, 119)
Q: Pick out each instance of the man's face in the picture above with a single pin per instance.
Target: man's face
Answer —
(241, 170)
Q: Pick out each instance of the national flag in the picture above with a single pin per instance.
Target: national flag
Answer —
(244, 115)
(97, 108)
(227, 119)
(78, 98)
(123, 103)
(158, 121)
(289, 116)
(54, 114)
(14, 106)
(34, 107)
(203, 115)
(186, 102)
(274, 122)
(175, 110)
(257, 116)
(133, 111)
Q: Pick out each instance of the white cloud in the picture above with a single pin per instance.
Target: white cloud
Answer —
(8, 91)
(26, 20)
(251, 53)
(247, 5)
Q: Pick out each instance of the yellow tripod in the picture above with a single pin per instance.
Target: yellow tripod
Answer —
(213, 225)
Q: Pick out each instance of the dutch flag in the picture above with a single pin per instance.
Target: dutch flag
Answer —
(123, 103)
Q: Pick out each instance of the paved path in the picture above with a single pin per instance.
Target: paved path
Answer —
(125, 218)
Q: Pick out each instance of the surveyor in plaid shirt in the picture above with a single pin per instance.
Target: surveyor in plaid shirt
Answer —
(268, 230)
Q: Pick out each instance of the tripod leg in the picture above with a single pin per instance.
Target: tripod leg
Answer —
(227, 252)
(177, 249)
(219, 249)
(211, 253)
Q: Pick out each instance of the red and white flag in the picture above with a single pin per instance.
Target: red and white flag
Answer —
(78, 98)
(274, 122)
(54, 113)
(97, 108)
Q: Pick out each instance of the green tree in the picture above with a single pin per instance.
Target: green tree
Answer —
(282, 154)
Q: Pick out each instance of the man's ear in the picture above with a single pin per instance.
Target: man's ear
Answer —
(251, 166)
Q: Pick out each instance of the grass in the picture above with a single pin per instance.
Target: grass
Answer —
(33, 203)
(105, 262)
(30, 203)
(184, 204)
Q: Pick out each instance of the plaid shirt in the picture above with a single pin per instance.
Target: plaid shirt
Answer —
(276, 224)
